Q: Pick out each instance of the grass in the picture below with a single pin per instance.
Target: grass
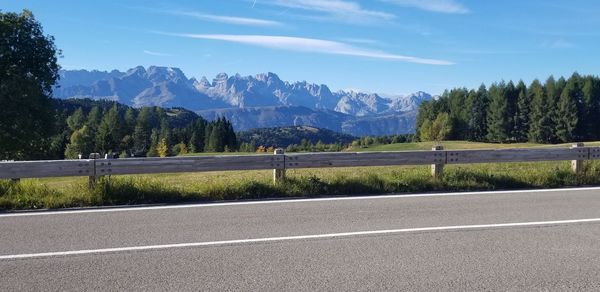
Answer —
(237, 185)
(459, 145)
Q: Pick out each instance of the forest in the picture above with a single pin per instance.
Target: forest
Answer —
(105, 127)
(555, 111)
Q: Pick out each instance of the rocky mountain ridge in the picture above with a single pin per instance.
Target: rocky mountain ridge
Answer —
(239, 96)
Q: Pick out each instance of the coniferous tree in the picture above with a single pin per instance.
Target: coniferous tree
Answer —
(76, 120)
(541, 125)
(194, 140)
(591, 100)
(162, 148)
(108, 135)
(498, 122)
(142, 131)
(552, 93)
(81, 143)
(523, 111)
(478, 117)
(129, 121)
(512, 95)
(458, 117)
(154, 141)
(568, 115)
(93, 118)
(441, 128)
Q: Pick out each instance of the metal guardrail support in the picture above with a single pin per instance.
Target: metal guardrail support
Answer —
(279, 173)
(93, 179)
(577, 165)
(437, 169)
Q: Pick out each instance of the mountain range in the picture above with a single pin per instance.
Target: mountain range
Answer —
(263, 100)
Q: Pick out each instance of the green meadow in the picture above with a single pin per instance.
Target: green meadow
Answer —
(248, 185)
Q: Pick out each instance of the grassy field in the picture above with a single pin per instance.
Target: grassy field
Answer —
(457, 145)
(234, 185)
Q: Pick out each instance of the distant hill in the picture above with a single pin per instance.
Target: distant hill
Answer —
(244, 119)
(284, 136)
(177, 117)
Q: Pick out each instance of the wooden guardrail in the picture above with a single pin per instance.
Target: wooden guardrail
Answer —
(280, 162)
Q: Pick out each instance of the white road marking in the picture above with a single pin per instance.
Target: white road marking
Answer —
(291, 238)
(287, 201)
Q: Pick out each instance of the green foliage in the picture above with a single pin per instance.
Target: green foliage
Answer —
(541, 124)
(109, 134)
(76, 120)
(563, 110)
(591, 106)
(219, 134)
(477, 122)
(498, 117)
(285, 136)
(523, 112)
(29, 70)
(437, 130)
(81, 143)
(568, 115)
(163, 148)
(440, 129)
(116, 128)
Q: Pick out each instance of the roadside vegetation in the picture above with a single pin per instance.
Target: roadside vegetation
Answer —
(237, 185)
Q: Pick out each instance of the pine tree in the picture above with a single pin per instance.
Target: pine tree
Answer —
(81, 143)
(93, 118)
(129, 121)
(541, 125)
(591, 100)
(441, 128)
(142, 131)
(521, 128)
(231, 139)
(568, 115)
(498, 122)
(76, 120)
(108, 135)
(459, 114)
(163, 148)
(193, 142)
(425, 131)
(552, 93)
(512, 96)
(477, 118)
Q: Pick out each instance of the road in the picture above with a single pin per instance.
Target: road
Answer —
(520, 240)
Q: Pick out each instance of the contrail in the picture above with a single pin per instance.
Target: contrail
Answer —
(253, 3)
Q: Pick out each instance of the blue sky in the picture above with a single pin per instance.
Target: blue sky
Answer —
(384, 46)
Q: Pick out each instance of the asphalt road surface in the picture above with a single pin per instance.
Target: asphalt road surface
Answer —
(522, 240)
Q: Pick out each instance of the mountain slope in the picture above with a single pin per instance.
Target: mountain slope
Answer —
(263, 100)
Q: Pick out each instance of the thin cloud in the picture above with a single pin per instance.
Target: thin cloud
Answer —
(360, 41)
(228, 19)
(158, 54)
(339, 9)
(440, 6)
(299, 44)
(558, 44)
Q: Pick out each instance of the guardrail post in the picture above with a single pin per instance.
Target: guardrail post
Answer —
(577, 165)
(437, 170)
(279, 174)
(93, 179)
